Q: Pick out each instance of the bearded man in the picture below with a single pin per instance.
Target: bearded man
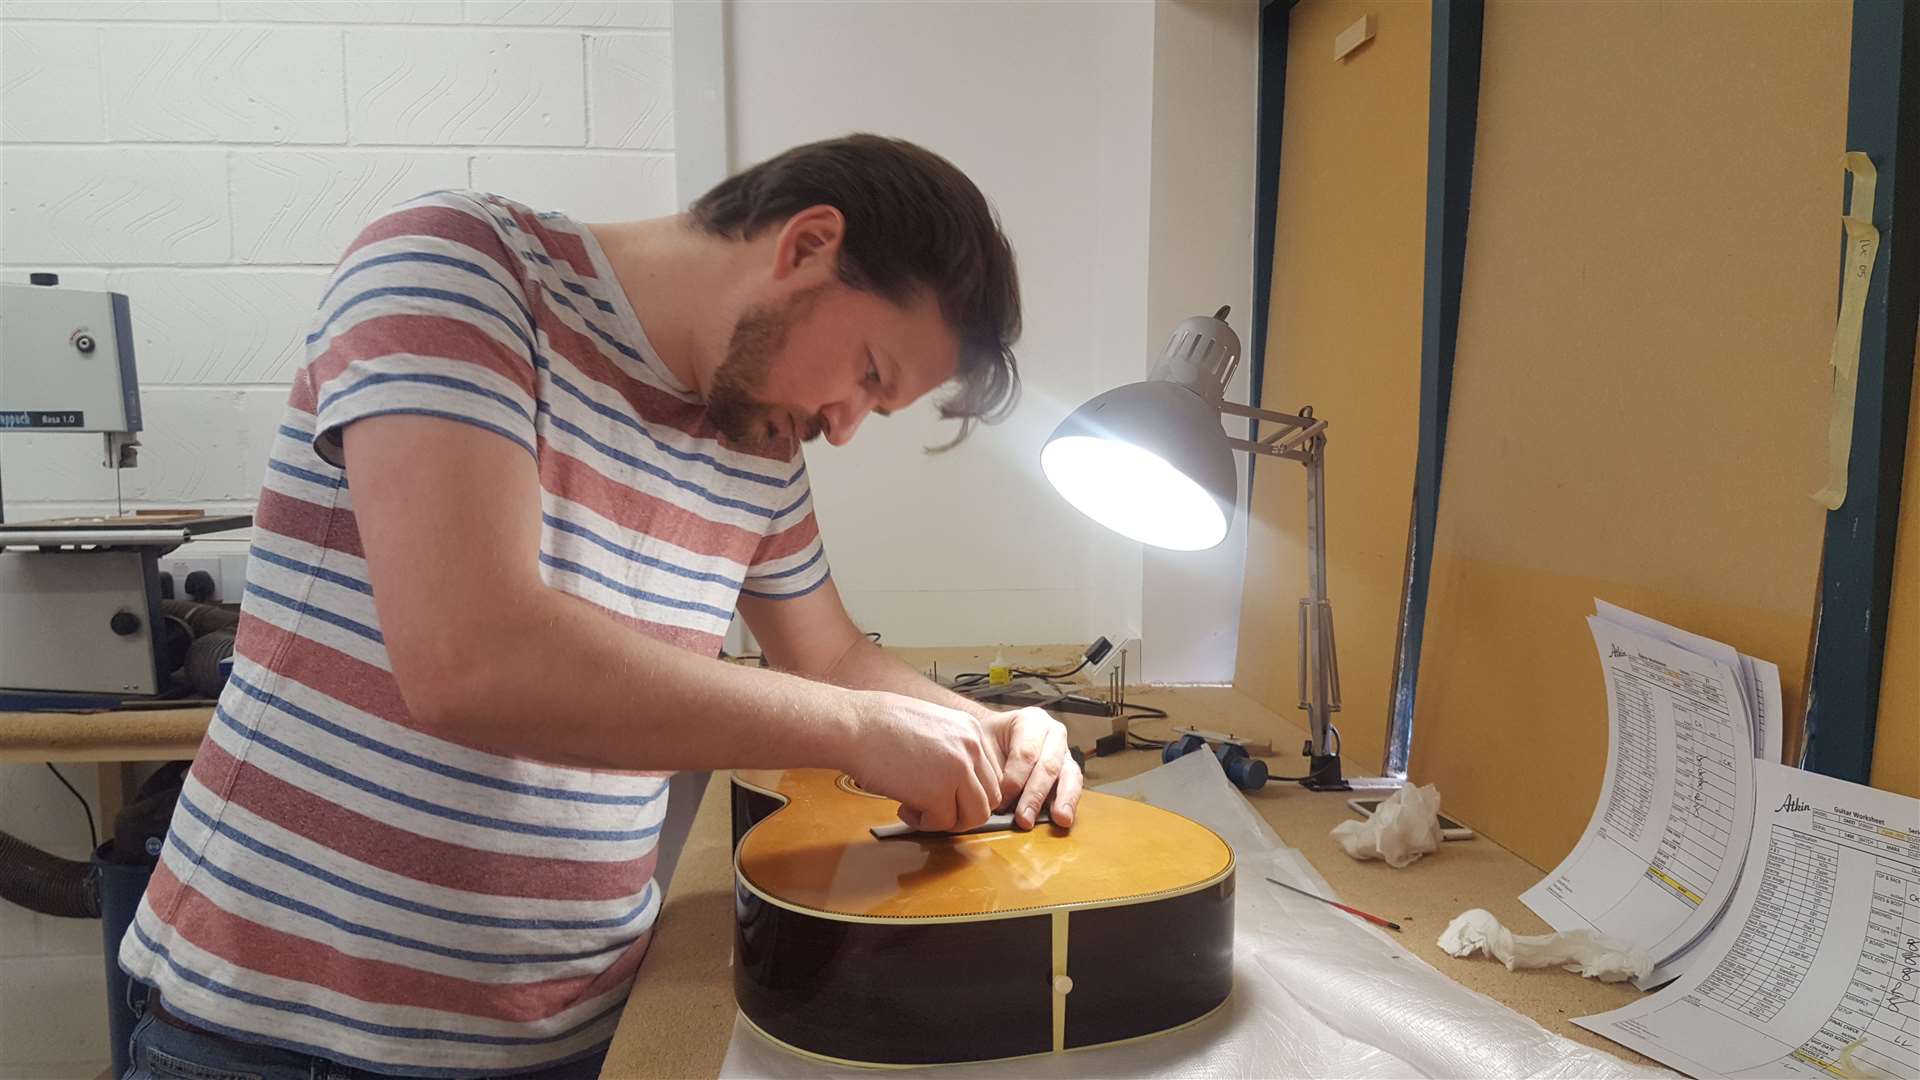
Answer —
(528, 474)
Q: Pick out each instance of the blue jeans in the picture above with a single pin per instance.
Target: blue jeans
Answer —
(162, 1051)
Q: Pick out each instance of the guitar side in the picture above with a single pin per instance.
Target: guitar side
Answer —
(904, 990)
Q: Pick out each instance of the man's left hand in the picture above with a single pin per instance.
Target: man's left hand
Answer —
(1037, 766)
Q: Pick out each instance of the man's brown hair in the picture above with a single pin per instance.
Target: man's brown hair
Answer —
(913, 221)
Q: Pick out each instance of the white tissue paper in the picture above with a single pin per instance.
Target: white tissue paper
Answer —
(1594, 955)
(1315, 992)
(1402, 829)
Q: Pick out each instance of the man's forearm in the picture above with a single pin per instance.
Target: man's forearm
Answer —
(567, 684)
(867, 666)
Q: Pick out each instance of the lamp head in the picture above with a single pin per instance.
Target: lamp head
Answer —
(1149, 460)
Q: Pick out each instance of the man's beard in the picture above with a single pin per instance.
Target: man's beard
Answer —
(733, 402)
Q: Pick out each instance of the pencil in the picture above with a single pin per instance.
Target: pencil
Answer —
(1374, 919)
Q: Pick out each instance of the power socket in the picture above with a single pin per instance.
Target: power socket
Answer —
(225, 561)
(1122, 643)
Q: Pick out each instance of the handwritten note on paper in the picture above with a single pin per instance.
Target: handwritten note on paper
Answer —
(1662, 852)
(1815, 970)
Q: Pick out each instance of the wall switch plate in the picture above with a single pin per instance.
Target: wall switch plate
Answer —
(1353, 37)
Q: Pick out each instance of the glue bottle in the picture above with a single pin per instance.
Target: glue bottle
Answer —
(999, 673)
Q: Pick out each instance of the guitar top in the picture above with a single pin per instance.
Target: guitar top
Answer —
(817, 853)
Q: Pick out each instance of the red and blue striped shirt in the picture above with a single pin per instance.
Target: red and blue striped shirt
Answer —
(339, 881)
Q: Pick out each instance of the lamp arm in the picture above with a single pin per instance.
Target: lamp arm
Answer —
(1298, 437)
(1302, 437)
(1232, 408)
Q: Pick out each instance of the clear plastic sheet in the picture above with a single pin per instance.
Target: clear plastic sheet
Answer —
(1316, 992)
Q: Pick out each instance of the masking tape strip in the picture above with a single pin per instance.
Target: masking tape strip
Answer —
(1863, 244)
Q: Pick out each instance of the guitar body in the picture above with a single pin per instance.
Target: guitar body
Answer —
(928, 950)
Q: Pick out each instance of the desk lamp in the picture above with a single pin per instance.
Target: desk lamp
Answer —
(1150, 461)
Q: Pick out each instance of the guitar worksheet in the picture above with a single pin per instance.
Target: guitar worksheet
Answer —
(1759, 679)
(1759, 687)
(1815, 969)
(1662, 853)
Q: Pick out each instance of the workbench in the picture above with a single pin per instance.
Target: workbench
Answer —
(680, 1017)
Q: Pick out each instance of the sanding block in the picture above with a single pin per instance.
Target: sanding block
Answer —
(996, 823)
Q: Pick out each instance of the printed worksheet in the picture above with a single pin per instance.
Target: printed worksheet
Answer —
(1815, 970)
(1759, 679)
(1662, 852)
(1759, 688)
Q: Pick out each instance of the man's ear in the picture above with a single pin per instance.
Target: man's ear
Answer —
(809, 245)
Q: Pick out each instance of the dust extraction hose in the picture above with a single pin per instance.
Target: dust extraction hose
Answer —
(47, 883)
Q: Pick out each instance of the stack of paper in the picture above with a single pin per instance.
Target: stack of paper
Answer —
(1815, 969)
(1783, 906)
(1662, 854)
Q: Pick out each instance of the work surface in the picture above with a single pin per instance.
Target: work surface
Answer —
(681, 1015)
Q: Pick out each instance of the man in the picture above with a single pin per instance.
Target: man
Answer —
(527, 475)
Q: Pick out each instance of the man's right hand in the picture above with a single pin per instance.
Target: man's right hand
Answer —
(940, 763)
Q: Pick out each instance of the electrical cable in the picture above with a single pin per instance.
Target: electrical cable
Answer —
(1315, 774)
(1135, 740)
(93, 834)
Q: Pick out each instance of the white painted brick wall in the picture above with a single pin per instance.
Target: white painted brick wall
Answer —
(211, 159)
(235, 84)
(306, 206)
(50, 83)
(514, 87)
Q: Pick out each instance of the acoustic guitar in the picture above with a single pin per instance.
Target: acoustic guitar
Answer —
(934, 949)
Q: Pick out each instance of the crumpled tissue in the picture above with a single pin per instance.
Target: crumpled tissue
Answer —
(1402, 829)
(1594, 955)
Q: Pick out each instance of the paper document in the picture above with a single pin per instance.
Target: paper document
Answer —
(1759, 679)
(1759, 688)
(1662, 853)
(1815, 969)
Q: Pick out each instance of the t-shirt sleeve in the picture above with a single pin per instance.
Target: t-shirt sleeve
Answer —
(425, 314)
(790, 561)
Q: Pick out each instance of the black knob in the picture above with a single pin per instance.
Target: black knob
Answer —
(200, 585)
(83, 342)
(124, 623)
(42, 277)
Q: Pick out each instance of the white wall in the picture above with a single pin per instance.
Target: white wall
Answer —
(1200, 255)
(1047, 106)
(211, 160)
(1116, 140)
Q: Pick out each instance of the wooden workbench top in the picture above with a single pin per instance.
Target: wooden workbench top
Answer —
(681, 1014)
(680, 1018)
(133, 735)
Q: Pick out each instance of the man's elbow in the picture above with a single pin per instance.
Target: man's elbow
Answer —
(452, 685)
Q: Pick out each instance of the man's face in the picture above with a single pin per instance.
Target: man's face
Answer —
(819, 359)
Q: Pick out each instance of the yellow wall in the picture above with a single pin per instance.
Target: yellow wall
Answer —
(1639, 402)
(1344, 337)
(1896, 742)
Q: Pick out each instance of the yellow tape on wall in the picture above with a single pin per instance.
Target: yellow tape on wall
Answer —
(1863, 243)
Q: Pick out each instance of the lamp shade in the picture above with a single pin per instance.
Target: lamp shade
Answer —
(1149, 461)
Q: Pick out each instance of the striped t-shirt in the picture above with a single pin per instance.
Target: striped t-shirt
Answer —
(336, 880)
